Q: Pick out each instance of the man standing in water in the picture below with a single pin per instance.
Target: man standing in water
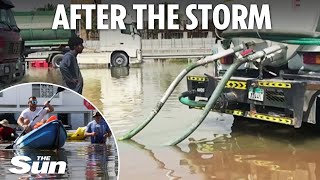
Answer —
(97, 129)
(69, 67)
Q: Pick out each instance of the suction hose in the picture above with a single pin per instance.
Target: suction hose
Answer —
(175, 83)
(218, 90)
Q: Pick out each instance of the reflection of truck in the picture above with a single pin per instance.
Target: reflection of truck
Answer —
(282, 86)
(41, 41)
(11, 46)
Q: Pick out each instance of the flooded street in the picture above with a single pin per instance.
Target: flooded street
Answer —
(220, 148)
(83, 161)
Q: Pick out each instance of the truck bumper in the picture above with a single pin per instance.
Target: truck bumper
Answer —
(12, 71)
(281, 101)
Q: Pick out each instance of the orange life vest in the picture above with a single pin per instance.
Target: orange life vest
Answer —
(38, 124)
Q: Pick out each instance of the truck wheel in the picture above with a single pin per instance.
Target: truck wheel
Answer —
(56, 60)
(119, 60)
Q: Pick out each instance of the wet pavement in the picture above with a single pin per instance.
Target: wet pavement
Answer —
(221, 148)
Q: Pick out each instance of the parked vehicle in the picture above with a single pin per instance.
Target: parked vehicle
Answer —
(115, 47)
(41, 41)
(270, 75)
(12, 65)
(282, 86)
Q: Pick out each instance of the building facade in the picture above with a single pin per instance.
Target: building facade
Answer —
(69, 107)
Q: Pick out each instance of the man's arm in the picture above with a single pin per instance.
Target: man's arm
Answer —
(65, 69)
(88, 131)
(107, 130)
(20, 121)
(50, 107)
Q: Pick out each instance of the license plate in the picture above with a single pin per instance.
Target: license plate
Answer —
(256, 94)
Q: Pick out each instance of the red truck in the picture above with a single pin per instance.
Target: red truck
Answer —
(12, 65)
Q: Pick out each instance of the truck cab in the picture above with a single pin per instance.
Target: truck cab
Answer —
(12, 66)
(123, 47)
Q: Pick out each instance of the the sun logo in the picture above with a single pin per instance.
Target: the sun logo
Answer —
(47, 166)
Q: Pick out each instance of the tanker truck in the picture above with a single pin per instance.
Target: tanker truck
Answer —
(12, 65)
(41, 41)
(269, 75)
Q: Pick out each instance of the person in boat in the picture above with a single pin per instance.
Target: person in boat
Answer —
(6, 133)
(97, 129)
(30, 113)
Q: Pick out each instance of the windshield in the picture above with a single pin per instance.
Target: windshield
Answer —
(130, 29)
(127, 30)
(7, 19)
(135, 30)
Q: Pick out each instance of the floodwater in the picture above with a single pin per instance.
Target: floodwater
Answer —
(84, 161)
(221, 148)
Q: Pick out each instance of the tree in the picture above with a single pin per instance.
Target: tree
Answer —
(47, 7)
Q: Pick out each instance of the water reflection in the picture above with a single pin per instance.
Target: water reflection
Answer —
(98, 160)
(84, 161)
(220, 149)
(253, 150)
(118, 72)
(55, 156)
(152, 155)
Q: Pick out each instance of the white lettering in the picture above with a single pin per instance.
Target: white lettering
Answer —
(118, 18)
(242, 18)
(101, 16)
(47, 167)
(74, 15)
(62, 167)
(88, 8)
(254, 16)
(139, 8)
(205, 14)
(239, 19)
(152, 16)
(172, 16)
(60, 12)
(17, 161)
(225, 19)
(190, 15)
(43, 170)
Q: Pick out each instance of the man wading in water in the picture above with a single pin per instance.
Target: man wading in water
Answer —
(69, 67)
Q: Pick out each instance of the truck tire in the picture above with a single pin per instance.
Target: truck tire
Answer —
(56, 60)
(119, 60)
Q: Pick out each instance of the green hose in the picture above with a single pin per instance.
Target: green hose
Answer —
(283, 39)
(298, 41)
(213, 99)
(188, 102)
(174, 84)
(221, 85)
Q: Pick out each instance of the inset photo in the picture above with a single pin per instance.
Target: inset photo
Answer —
(48, 131)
